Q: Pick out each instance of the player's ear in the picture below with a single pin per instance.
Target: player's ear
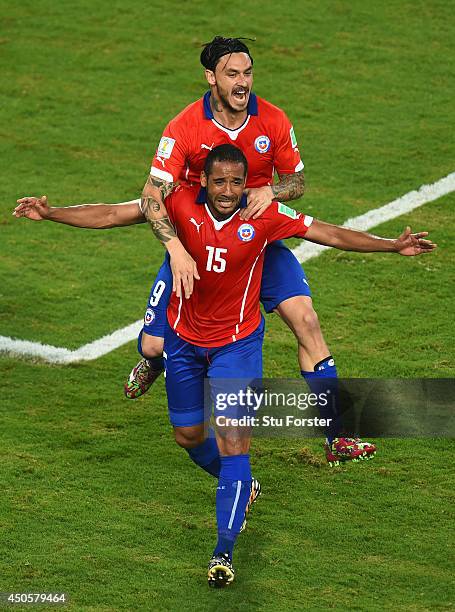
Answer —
(203, 179)
(210, 76)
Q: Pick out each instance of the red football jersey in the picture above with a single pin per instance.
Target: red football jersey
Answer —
(224, 305)
(266, 138)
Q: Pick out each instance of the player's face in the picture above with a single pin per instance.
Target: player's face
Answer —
(225, 185)
(233, 81)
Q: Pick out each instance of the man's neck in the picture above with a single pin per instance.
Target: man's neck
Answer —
(227, 117)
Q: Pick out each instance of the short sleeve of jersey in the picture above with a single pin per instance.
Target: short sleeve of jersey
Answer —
(287, 155)
(170, 157)
(284, 222)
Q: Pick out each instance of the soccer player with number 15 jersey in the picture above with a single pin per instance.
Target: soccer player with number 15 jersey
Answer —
(218, 332)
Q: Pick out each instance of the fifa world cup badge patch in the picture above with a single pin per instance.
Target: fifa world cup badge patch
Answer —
(149, 316)
(165, 147)
(245, 232)
(262, 144)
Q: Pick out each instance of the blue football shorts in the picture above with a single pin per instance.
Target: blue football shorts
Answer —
(187, 368)
(282, 278)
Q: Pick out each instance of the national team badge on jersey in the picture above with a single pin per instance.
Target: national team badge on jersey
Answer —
(165, 147)
(245, 232)
(149, 316)
(262, 144)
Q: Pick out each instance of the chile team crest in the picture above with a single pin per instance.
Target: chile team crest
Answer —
(245, 232)
(149, 316)
(262, 144)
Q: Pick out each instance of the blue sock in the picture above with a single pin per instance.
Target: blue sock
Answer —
(157, 363)
(323, 379)
(232, 495)
(207, 455)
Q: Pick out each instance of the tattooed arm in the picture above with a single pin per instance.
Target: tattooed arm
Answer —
(183, 266)
(152, 205)
(289, 187)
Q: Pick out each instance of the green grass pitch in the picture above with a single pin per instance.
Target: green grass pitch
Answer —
(96, 499)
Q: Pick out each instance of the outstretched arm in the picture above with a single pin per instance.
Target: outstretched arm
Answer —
(92, 216)
(407, 244)
(183, 266)
(290, 187)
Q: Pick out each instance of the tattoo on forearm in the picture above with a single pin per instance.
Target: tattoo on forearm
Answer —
(149, 204)
(163, 230)
(167, 188)
(290, 187)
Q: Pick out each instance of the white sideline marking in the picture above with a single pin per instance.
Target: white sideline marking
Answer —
(303, 252)
(87, 352)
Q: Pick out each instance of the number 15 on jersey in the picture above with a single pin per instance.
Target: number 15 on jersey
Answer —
(215, 261)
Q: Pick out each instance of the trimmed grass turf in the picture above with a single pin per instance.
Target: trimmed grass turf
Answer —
(97, 500)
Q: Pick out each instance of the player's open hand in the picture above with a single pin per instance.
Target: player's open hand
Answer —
(184, 271)
(36, 209)
(414, 244)
(258, 200)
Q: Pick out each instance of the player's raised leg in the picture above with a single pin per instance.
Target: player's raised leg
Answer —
(286, 291)
(321, 376)
(150, 340)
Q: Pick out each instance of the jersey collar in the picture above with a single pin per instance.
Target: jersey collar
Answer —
(252, 108)
(202, 198)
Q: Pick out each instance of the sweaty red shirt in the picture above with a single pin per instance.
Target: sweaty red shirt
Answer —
(229, 254)
(266, 138)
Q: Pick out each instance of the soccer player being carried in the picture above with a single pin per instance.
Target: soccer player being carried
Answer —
(217, 332)
(231, 113)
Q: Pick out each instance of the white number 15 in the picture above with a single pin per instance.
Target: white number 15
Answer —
(214, 260)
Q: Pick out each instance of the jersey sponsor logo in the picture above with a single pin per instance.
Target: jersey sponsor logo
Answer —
(165, 147)
(262, 144)
(288, 212)
(245, 232)
(198, 225)
(149, 316)
(293, 138)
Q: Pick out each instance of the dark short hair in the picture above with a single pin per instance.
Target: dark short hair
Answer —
(225, 153)
(218, 47)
